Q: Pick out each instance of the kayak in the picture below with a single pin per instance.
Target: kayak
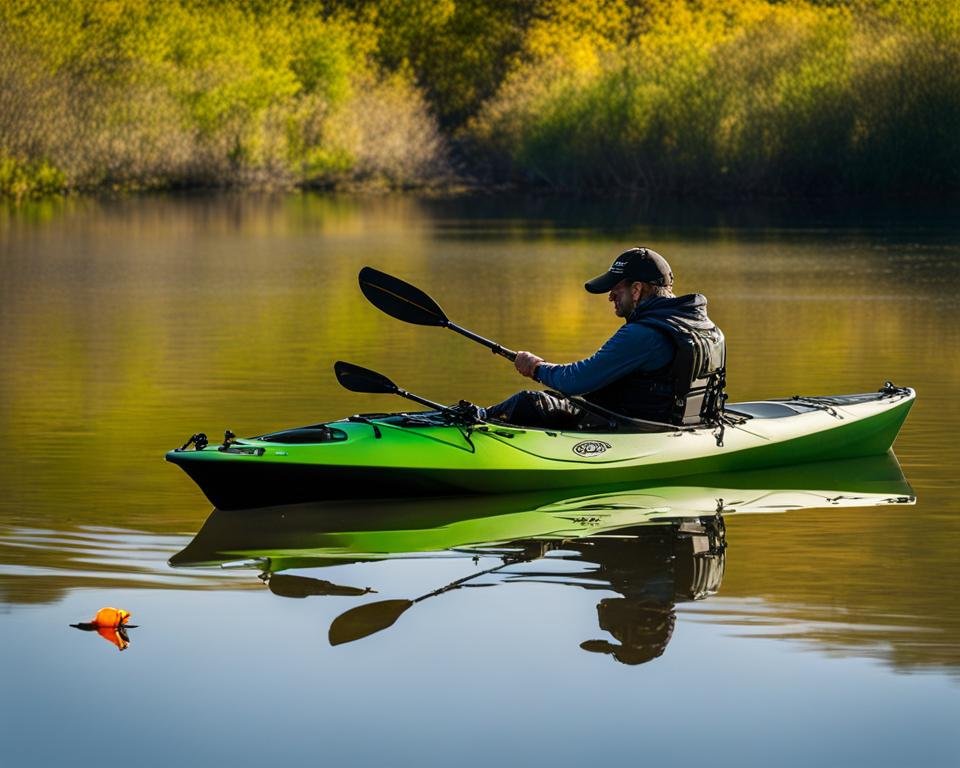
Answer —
(433, 453)
(318, 534)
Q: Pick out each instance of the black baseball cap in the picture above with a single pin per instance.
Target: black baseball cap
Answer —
(636, 265)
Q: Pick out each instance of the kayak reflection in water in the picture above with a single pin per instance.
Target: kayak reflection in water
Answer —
(645, 548)
(665, 364)
(652, 567)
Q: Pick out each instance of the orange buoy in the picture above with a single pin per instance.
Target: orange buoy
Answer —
(111, 624)
(111, 617)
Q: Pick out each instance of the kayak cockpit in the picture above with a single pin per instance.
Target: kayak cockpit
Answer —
(312, 435)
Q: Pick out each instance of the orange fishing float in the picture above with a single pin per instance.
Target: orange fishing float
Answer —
(111, 624)
(111, 617)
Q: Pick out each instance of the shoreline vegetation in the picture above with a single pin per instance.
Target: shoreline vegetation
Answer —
(704, 98)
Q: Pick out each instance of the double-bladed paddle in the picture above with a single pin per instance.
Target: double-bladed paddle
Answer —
(411, 305)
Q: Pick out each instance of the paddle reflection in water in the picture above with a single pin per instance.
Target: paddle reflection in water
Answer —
(653, 546)
(287, 585)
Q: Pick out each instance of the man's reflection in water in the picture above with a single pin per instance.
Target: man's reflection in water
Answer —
(653, 568)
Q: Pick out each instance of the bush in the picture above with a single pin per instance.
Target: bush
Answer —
(746, 97)
(130, 94)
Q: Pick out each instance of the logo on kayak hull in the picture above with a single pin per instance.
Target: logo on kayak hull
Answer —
(590, 447)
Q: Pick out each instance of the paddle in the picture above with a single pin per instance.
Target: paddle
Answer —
(411, 305)
(370, 618)
(358, 379)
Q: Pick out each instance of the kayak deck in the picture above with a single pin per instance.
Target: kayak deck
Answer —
(396, 455)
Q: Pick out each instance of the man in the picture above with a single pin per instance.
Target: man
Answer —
(665, 364)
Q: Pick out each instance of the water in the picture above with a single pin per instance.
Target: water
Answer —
(824, 633)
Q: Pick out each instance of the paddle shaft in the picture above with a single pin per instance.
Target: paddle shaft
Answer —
(421, 400)
(458, 582)
(366, 619)
(491, 345)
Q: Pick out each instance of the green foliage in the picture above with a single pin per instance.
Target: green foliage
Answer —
(20, 180)
(458, 51)
(786, 97)
(183, 92)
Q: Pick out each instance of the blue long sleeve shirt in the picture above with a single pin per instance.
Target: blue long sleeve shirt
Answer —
(632, 347)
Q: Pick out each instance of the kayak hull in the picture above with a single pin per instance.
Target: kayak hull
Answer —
(400, 456)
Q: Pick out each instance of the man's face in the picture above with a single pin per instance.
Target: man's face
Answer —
(625, 296)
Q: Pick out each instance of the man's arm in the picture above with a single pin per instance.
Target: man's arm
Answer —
(633, 346)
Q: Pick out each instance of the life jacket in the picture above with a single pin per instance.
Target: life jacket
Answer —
(690, 388)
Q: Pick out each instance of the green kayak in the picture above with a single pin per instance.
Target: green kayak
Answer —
(438, 453)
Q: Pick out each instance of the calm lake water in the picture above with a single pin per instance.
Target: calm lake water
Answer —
(824, 633)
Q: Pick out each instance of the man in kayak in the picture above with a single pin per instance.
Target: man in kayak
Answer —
(665, 364)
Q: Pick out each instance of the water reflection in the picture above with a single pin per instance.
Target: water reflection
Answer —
(652, 546)
(116, 636)
(651, 572)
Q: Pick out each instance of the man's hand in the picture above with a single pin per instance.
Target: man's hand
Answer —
(527, 363)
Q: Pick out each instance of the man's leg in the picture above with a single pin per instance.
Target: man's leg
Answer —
(532, 408)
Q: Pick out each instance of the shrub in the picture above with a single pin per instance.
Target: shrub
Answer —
(744, 97)
(210, 92)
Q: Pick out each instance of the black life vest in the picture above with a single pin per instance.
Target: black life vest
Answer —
(689, 389)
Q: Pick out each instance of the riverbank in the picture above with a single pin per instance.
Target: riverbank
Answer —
(709, 99)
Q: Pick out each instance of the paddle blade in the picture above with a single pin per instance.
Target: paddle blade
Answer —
(358, 379)
(365, 620)
(399, 299)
